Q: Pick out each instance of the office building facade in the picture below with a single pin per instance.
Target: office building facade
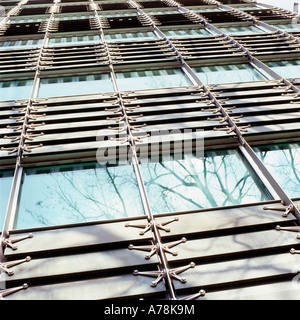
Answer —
(149, 150)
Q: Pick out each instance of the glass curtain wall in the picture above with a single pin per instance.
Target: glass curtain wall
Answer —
(77, 193)
(283, 161)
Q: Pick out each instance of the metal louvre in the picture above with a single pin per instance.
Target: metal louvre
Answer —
(140, 51)
(94, 261)
(271, 14)
(209, 48)
(224, 17)
(267, 46)
(18, 60)
(84, 55)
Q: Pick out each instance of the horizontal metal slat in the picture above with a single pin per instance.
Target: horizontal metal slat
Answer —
(102, 261)
(275, 291)
(235, 245)
(79, 237)
(126, 286)
(239, 272)
(224, 219)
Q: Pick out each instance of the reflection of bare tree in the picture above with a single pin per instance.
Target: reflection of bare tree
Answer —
(80, 196)
(200, 183)
(152, 79)
(284, 164)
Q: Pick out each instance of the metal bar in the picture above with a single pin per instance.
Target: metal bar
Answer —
(163, 263)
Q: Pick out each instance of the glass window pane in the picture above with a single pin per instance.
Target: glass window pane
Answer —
(151, 79)
(21, 43)
(74, 39)
(283, 161)
(221, 178)
(130, 36)
(6, 179)
(67, 86)
(287, 69)
(77, 193)
(240, 30)
(14, 90)
(288, 26)
(228, 74)
(186, 33)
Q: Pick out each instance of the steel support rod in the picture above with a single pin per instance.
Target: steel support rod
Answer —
(163, 263)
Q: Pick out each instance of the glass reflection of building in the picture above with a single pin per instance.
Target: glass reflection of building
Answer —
(79, 79)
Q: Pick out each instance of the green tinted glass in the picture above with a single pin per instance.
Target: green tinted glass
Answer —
(6, 179)
(287, 69)
(77, 193)
(78, 85)
(186, 33)
(129, 36)
(219, 179)
(241, 30)
(74, 39)
(283, 161)
(15, 90)
(151, 79)
(228, 74)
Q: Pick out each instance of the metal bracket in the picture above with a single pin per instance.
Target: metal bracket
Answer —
(7, 292)
(10, 150)
(128, 139)
(293, 229)
(217, 110)
(294, 251)
(121, 118)
(125, 127)
(201, 293)
(149, 225)
(154, 248)
(22, 101)
(6, 265)
(227, 129)
(287, 209)
(29, 136)
(9, 242)
(29, 148)
(31, 126)
(173, 273)
(225, 119)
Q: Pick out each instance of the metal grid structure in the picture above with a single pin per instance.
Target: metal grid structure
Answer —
(226, 251)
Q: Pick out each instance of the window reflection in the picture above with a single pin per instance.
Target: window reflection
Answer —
(186, 33)
(6, 179)
(68, 86)
(228, 74)
(16, 89)
(219, 179)
(21, 43)
(283, 161)
(130, 36)
(240, 30)
(74, 39)
(151, 79)
(286, 69)
(77, 193)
